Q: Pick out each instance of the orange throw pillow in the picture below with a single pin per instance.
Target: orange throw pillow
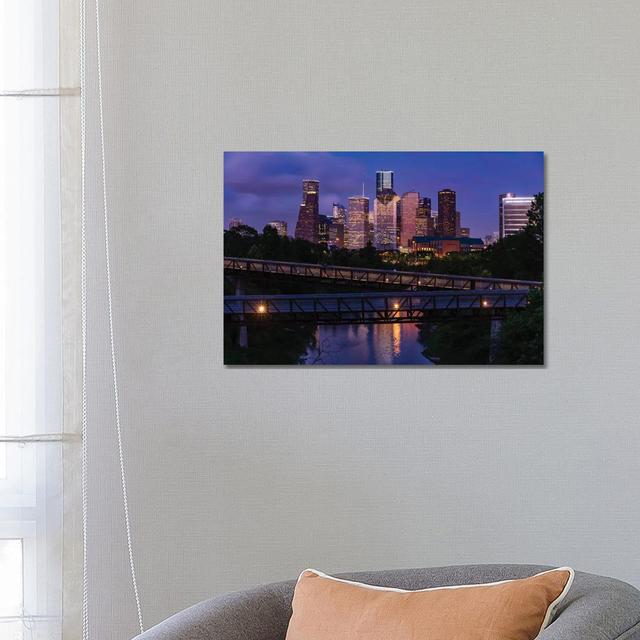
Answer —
(326, 608)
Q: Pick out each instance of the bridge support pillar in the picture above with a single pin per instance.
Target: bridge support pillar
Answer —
(243, 336)
(243, 331)
(494, 338)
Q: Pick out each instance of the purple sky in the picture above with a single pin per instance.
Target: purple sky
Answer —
(264, 186)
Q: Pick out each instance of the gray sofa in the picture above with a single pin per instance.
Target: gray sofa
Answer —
(596, 608)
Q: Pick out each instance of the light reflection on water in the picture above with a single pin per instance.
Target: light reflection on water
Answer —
(395, 343)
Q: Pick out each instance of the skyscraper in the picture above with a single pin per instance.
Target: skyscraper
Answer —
(447, 212)
(501, 197)
(339, 213)
(515, 210)
(307, 225)
(357, 230)
(385, 221)
(371, 230)
(323, 229)
(335, 234)
(424, 221)
(409, 202)
(384, 181)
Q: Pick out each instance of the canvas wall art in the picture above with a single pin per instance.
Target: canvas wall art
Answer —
(379, 258)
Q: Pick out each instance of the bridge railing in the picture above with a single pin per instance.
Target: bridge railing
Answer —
(377, 307)
(377, 277)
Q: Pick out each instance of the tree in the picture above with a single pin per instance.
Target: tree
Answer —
(536, 218)
(521, 256)
(239, 240)
(270, 243)
(522, 334)
(456, 341)
(245, 231)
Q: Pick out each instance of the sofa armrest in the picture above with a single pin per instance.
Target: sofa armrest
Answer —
(259, 614)
(597, 608)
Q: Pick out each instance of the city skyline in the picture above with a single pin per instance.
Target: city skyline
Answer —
(262, 186)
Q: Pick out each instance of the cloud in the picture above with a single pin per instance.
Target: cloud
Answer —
(261, 186)
(264, 173)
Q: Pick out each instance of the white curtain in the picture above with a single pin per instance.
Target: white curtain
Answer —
(39, 541)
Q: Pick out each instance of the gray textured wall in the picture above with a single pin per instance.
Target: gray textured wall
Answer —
(239, 476)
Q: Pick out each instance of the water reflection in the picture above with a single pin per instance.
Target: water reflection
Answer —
(367, 344)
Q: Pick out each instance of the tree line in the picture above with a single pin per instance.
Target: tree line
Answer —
(520, 256)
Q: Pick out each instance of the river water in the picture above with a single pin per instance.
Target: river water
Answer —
(367, 344)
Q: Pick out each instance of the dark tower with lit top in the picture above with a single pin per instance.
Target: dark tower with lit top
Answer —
(447, 212)
(308, 216)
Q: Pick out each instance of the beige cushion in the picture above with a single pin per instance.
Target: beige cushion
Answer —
(326, 608)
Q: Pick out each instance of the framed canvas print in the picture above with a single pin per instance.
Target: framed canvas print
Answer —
(379, 258)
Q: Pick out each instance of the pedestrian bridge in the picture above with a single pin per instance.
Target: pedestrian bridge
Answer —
(379, 278)
(371, 308)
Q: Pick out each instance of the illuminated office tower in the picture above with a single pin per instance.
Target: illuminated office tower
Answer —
(339, 213)
(280, 226)
(424, 221)
(384, 181)
(330, 232)
(513, 214)
(501, 197)
(323, 229)
(409, 203)
(357, 230)
(338, 228)
(335, 234)
(385, 221)
(436, 222)
(370, 231)
(458, 219)
(307, 225)
(446, 212)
